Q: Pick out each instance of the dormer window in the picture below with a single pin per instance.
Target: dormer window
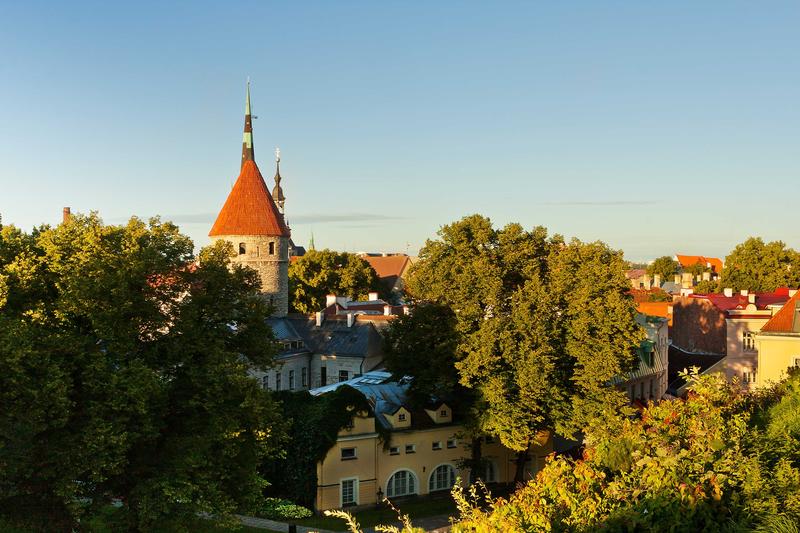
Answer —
(242, 248)
(443, 413)
(401, 417)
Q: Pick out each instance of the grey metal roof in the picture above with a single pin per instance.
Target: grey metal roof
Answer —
(384, 395)
(334, 337)
(283, 329)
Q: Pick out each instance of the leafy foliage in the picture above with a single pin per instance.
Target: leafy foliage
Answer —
(543, 326)
(759, 266)
(697, 465)
(280, 509)
(313, 425)
(423, 345)
(322, 272)
(664, 266)
(123, 374)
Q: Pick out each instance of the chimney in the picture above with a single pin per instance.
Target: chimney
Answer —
(387, 310)
(657, 280)
(351, 317)
(751, 298)
(330, 299)
(727, 291)
(744, 292)
(66, 213)
(677, 279)
(373, 296)
(320, 318)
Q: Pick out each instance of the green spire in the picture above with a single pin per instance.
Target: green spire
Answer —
(311, 244)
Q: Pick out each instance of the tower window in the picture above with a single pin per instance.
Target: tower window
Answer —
(272, 248)
(242, 248)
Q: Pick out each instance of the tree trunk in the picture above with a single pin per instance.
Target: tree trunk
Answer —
(519, 471)
(475, 461)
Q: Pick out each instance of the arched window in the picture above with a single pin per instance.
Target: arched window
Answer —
(402, 483)
(443, 478)
(242, 248)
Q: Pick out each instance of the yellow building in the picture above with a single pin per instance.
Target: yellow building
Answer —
(395, 451)
(778, 344)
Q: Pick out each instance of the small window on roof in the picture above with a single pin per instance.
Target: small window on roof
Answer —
(443, 413)
(401, 417)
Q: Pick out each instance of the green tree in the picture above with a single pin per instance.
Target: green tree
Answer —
(664, 266)
(322, 272)
(543, 326)
(424, 345)
(123, 374)
(759, 266)
(700, 464)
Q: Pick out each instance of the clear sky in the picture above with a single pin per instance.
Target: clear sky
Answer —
(658, 127)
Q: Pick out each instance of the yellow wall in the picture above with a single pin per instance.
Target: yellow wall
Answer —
(374, 465)
(776, 353)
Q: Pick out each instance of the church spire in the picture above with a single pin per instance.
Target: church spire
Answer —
(247, 139)
(277, 191)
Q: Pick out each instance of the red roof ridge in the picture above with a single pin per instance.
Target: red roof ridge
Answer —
(783, 320)
(249, 209)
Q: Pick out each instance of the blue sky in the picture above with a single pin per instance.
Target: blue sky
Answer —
(658, 127)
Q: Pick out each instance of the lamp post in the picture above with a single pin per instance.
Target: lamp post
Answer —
(379, 494)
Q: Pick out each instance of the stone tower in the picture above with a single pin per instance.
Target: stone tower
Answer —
(251, 221)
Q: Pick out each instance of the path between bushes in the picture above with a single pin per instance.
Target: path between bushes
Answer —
(432, 524)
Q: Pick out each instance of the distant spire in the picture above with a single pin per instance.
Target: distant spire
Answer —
(311, 244)
(247, 139)
(277, 191)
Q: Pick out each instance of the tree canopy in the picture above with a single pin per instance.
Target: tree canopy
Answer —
(124, 375)
(321, 272)
(720, 460)
(664, 266)
(759, 266)
(543, 326)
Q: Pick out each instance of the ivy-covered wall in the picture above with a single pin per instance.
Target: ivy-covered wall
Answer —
(314, 422)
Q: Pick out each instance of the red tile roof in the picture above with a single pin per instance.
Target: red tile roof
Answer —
(390, 266)
(784, 320)
(656, 309)
(687, 261)
(740, 302)
(249, 209)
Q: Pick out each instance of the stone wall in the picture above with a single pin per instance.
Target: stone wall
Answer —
(273, 268)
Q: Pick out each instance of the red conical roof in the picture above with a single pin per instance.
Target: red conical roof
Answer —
(249, 209)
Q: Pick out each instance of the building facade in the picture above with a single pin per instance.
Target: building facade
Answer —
(422, 456)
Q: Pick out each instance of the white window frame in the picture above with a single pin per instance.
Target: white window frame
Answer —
(452, 443)
(394, 450)
(432, 476)
(355, 491)
(412, 447)
(436, 445)
(748, 341)
(413, 476)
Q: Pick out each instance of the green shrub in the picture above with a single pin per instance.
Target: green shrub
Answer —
(280, 509)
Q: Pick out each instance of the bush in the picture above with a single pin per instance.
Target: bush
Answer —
(280, 509)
